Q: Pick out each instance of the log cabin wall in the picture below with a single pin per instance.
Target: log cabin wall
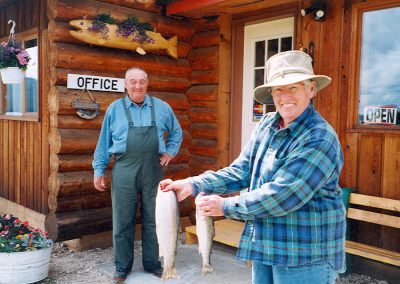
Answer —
(76, 208)
(203, 96)
(23, 143)
(372, 156)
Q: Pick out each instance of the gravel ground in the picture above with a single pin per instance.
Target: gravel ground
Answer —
(71, 267)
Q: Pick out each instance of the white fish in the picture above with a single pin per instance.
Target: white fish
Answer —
(167, 224)
(205, 234)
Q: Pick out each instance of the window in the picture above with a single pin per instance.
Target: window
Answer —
(21, 100)
(264, 49)
(378, 87)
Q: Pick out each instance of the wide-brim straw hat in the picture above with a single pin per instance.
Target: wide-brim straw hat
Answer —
(286, 68)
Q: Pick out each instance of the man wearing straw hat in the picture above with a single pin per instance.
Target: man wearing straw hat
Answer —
(295, 218)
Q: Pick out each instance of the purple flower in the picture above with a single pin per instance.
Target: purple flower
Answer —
(11, 55)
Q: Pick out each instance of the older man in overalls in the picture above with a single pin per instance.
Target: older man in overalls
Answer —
(133, 131)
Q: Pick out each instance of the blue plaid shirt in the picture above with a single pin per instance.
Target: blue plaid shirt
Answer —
(293, 209)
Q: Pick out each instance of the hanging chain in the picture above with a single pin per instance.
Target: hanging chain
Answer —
(10, 12)
(11, 38)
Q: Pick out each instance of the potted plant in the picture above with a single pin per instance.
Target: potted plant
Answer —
(13, 62)
(24, 251)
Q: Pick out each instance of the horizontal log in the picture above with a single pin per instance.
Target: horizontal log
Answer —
(78, 183)
(84, 202)
(204, 58)
(204, 130)
(83, 162)
(60, 32)
(180, 112)
(78, 141)
(182, 157)
(207, 77)
(203, 147)
(76, 122)
(74, 141)
(184, 48)
(205, 39)
(186, 138)
(184, 121)
(106, 59)
(67, 96)
(200, 164)
(72, 225)
(175, 100)
(198, 114)
(156, 82)
(175, 172)
(205, 24)
(202, 93)
(67, 10)
(75, 162)
(148, 5)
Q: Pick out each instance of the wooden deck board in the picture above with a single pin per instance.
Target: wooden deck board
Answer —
(226, 232)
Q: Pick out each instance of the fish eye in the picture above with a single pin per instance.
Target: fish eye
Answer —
(82, 23)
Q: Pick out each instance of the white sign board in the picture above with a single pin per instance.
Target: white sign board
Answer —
(96, 83)
(380, 115)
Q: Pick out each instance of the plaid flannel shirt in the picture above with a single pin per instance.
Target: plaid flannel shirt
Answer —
(293, 208)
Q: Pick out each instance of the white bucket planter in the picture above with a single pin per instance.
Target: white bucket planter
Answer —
(24, 267)
(12, 75)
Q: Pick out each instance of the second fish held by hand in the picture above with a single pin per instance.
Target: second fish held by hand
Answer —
(205, 233)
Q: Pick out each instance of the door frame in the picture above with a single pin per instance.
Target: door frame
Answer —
(238, 24)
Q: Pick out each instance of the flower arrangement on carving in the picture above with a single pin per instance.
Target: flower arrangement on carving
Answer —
(132, 26)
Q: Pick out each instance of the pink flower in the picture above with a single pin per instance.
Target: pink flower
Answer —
(22, 59)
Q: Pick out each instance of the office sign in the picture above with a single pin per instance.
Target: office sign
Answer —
(95, 83)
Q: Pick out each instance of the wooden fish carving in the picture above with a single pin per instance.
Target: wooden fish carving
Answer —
(114, 40)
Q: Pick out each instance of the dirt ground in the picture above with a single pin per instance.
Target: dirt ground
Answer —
(71, 267)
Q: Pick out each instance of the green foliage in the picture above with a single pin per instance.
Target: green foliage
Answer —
(12, 55)
(16, 236)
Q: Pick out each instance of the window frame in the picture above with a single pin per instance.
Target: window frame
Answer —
(26, 116)
(355, 61)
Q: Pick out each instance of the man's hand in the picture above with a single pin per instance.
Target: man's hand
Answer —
(183, 188)
(164, 159)
(211, 205)
(99, 183)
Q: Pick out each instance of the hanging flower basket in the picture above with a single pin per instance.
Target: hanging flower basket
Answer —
(12, 75)
(13, 61)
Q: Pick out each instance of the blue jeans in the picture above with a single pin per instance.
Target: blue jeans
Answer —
(319, 272)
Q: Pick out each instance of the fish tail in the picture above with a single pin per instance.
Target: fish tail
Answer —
(172, 49)
(207, 268)
(170, 273)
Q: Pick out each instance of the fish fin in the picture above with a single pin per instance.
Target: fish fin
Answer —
(207, 268)
(140, 50)
(172, 49)
(170, 273)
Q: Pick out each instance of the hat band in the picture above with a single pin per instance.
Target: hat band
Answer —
(286, 71)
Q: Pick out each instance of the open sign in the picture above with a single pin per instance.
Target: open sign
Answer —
(380, 115)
